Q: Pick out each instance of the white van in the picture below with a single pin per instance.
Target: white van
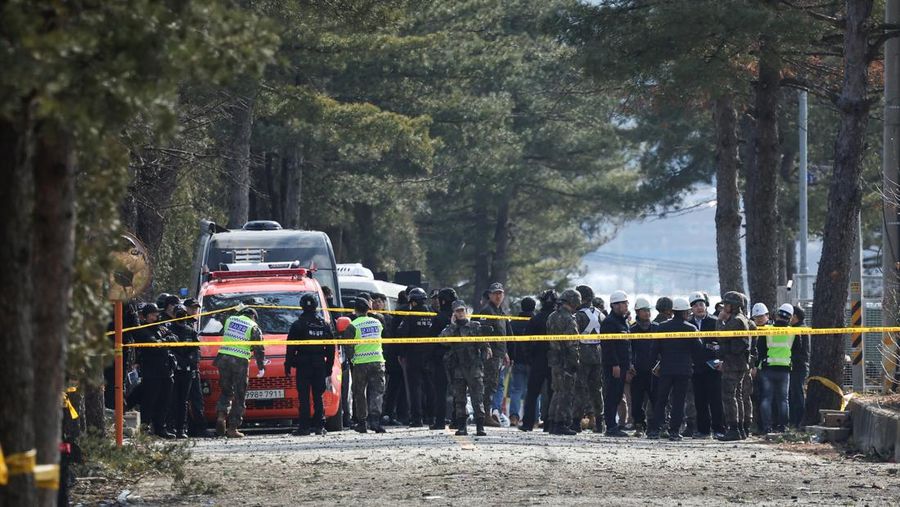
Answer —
(355, 278)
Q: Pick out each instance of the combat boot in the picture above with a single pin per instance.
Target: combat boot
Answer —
(563, 429)
(638, 429)
(732, 434)
(492, 421)
(360, 427)
(220, 424)
(599, 427)
(301, 432)
(576, 425)
(233, 433)
(479, 427)
(376, 426)
(461, 430)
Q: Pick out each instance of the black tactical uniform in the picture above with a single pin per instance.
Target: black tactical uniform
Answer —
(313, 365)
(414, 357)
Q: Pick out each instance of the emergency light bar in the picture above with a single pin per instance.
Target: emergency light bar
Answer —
(261, 273)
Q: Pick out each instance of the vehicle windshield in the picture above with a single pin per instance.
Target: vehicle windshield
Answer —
(271, 320)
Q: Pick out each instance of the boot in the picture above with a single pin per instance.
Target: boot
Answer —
(576, 425)
(220, 424)
(599, 426)
(688, 430)
(638, 430)
(563, 429)
(360, 427)
(461, 430)
(492, 421)
(732, 434)
(588, 423)
(479, 427)
(436, 426)
(375, 424)
(233, 433)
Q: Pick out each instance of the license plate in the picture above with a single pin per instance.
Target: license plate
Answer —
(265, 394)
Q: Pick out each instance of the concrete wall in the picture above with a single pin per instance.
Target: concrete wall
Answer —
(876, 431)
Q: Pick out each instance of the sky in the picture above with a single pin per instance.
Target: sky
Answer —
(671, 256)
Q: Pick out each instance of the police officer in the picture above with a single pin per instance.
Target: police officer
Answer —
(707, 379)
(735, 355)
(676, 362)
(414, 355)
(642, 362)
(396, 408)
(499, 356)
(187, 363)
(233, 362)
(539, 372)
(367, 368)
(436, 370)
(589, 381)
(156, 364)
(563, 360)
(313, 365)
(775, 353)
(465, 360)
(616, 361)
(196, 419)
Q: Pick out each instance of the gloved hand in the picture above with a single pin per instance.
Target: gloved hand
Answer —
(287, 371)
(261, 373)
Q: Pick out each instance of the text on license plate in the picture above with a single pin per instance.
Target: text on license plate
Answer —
(265, 394)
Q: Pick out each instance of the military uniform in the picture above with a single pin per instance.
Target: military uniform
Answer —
(589, 380)
(233, 362)
(493, 327)
(563, 359)
(735, 355)
(464, 360)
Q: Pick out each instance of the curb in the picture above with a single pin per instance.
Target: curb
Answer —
(876, 430)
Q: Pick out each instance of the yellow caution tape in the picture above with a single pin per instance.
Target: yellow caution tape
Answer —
(68, 403)
(21, 462)
(845, 398)
(47, 476)
(4, 472)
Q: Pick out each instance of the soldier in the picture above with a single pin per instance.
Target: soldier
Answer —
(707, 379)
(563, 360)
(367, 368)
(436, 370)
(589, 381)
(735, 365)
(642, 364)
(677, 357)
(313, 364)
(465, 361)
(233, 362)
(539, 371)
(413, 356)
(500, 328)
(616, 361)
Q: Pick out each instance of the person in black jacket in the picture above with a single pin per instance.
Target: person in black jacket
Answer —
(435, 368)
(156, 370)
(187, 361)
(518, 355)
(616, 361)
(642, 363)
(677, 357)
(312, 362)
(707, 379)
(799, 371)
(414, 355)
(395, 411)
(539, 370)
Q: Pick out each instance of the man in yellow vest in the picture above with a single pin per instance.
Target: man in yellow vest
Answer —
(368, 368)
(774, 354)
(233, 362)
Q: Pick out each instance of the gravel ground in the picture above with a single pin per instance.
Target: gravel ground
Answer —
(416, 466)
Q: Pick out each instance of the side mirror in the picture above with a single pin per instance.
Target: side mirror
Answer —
(342, 323)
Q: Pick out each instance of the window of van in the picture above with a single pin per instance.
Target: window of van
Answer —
(271, 320)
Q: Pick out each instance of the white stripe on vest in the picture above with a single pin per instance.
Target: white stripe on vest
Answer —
(593, 326)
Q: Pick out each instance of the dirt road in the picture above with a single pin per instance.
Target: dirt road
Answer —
(416, 466)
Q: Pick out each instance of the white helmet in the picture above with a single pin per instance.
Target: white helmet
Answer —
(680, 305)
(618, 296)
(697, 296)
(760, 309)
(787, 309)
(642, 304)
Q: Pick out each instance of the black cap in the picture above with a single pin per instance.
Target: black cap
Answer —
(362, 305)
(171, 299)
(496, 287)
(149, 308)
(191, 303)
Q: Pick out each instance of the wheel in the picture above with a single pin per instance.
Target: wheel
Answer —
(336, 422)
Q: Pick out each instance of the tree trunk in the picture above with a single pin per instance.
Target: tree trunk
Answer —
(292, 190)
(482, 252)
(237, 161)
(365, 245)
(16, 297)
(54, 247)
(500, 259)
(728, 202)
(762, 190)
(271, 189)
(842, 220)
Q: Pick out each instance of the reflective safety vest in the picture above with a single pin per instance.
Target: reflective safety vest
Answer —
(593, 326)
(779, 350)
(238, 328)
(367, 327)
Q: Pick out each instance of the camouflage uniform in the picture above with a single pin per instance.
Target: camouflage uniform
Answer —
(493, 327)
(233, 373)
(464, 361)
(589, 380)
(563, 360)
(368, 390)
(735, 354)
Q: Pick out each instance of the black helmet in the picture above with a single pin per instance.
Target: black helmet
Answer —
(170, 300)
(548, 298)
(161, 299)
(180, 311)
(362, 305)
(528, 304)
(308, 302)
(417, 294)
(664, 304)
(733, 298)
(447, 295)
(587, 293)
(149, 308)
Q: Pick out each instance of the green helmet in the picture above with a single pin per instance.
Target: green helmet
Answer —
(733, 298)
(572, 297)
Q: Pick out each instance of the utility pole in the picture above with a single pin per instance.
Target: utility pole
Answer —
(804, 181)
(890, 194)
